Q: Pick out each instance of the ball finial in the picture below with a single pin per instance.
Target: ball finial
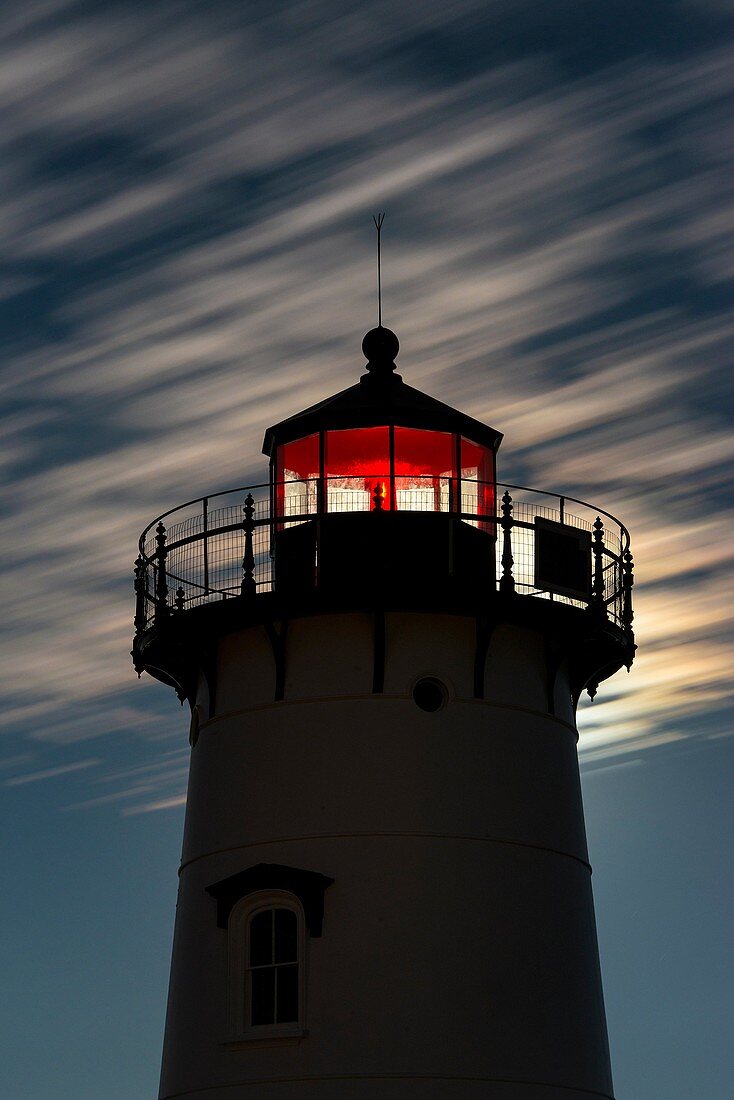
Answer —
(380, 347)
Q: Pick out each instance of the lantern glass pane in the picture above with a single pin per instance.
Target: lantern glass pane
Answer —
(477, 479)
(424, 466)
(299, 460)
(357, 466)
(297, 472)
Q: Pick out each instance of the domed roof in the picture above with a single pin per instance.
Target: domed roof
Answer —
(380, 397)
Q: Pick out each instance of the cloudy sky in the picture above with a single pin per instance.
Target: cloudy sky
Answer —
(186, 194)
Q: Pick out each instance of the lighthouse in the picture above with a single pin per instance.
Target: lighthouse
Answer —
(385, 888)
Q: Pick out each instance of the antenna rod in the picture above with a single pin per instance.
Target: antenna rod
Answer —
(378, 219)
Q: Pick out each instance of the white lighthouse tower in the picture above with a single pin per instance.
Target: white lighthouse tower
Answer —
(385, 889)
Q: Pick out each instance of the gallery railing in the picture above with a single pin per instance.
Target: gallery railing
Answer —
(221, 546)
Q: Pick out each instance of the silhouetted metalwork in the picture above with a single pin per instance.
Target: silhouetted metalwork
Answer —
(248, 587)
(141, 618)
(628, 580)
(597, 548)
(507, 581)
(161, 577)
(378, 219)
(205, 544)
(199, 547)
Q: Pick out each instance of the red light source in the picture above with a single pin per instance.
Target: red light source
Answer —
(354, 460)
(378, 496)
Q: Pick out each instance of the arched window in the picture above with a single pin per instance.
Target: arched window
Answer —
(267, 966)
(271, 989)
(268, 911)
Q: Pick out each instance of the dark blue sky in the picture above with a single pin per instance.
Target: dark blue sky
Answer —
(185, 202)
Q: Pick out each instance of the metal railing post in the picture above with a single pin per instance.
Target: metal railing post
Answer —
(141, 618)
(628, 580)
(248, 587)
(507, 581)
(161, 588)
(597, 585)
(205, 530)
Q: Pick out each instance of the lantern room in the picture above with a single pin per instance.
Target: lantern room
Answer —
(380, 446)
(384, 467)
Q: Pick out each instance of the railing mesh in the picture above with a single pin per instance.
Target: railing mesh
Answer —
(204, 541)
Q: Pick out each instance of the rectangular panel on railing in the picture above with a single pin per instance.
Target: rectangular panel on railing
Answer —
(562, 559)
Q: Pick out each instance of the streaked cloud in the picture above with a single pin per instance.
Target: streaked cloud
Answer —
(184, 215)
(50, 773)
(153, 807)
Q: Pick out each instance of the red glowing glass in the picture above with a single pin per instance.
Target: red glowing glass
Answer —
(358, 473)
(296, 475)
(357, 463)
(423, 454)
(299, 461)
(358, 452)
(424, 467)
(477, 465)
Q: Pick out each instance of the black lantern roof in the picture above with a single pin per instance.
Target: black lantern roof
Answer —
(380, 397)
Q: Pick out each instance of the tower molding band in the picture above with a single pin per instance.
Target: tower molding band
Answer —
(384, 835)
(534, 711)
(571, 1090)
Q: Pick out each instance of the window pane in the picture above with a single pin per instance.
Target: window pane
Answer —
(297, 498)
(477, 466)
(476, 461)
(261, 938)
(287, 994)
(286, 925)
(358, 452)
(297, 464)
(298, 461)
(357, 466)
(424, 466)
(420, 453)
(262, 985)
